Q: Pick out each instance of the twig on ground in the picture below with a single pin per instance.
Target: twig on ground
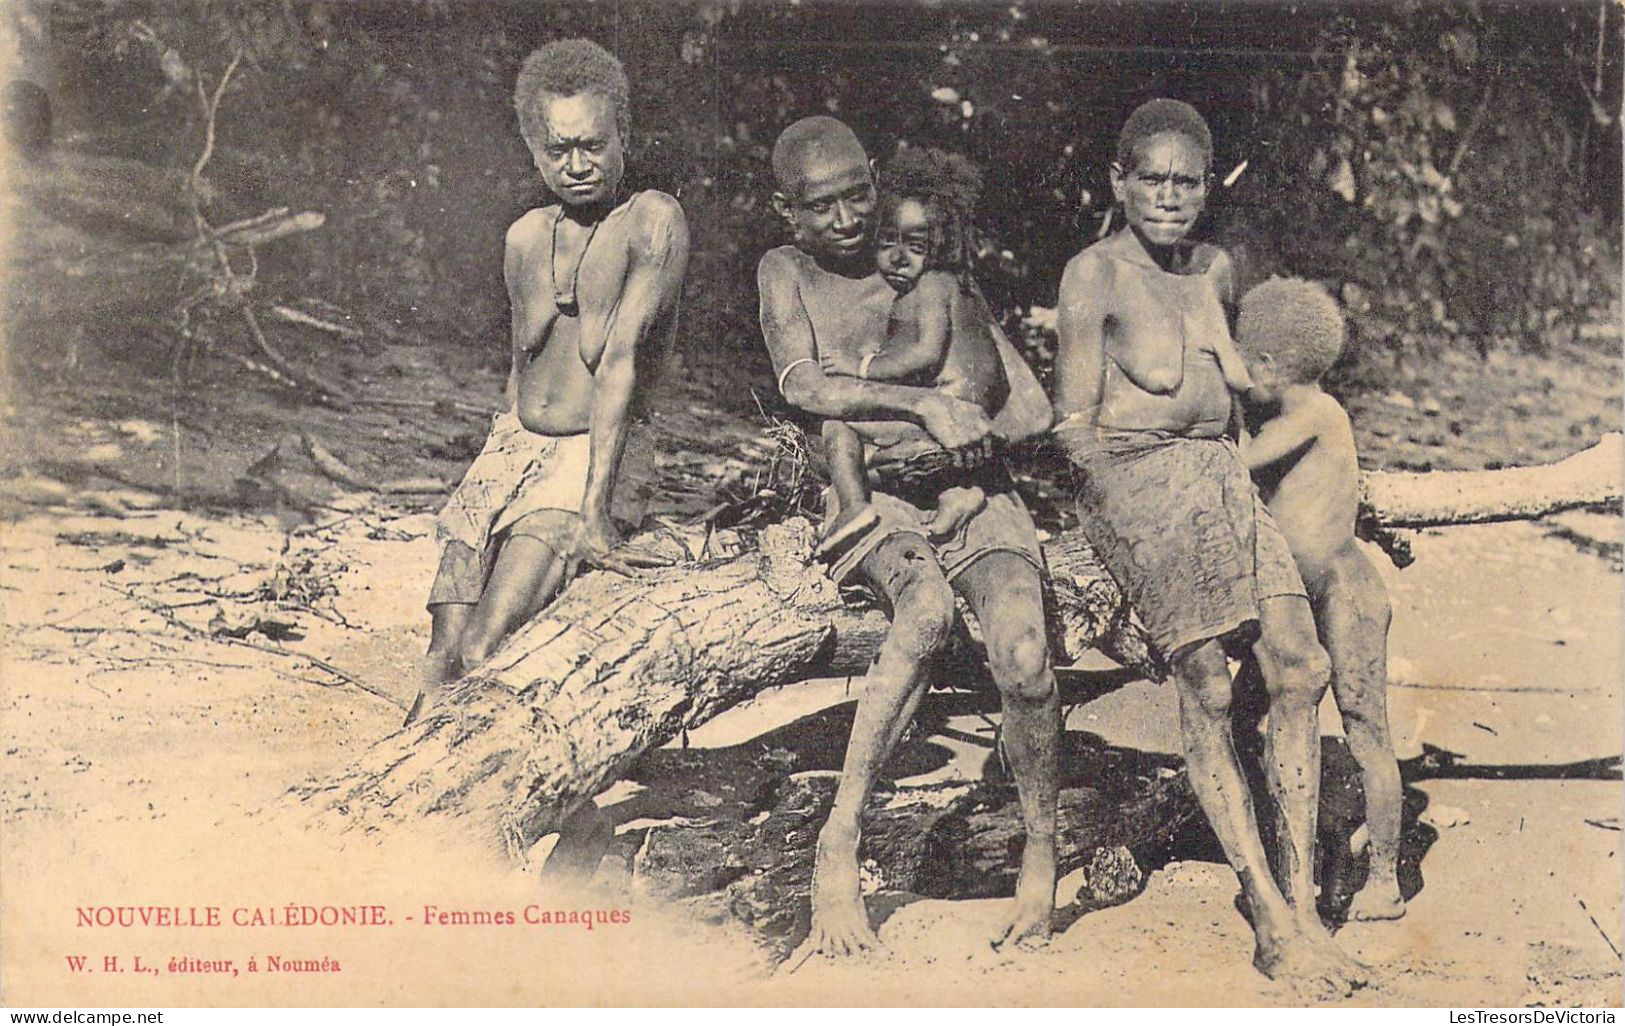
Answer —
(324, 305)
(1600, 931)
(273, 228)
(333, 467)
(248, 363)
(413, 486)
(211, 105)
(247, 223)
(166, 660)
(1533, 689)
(293, 316)
(227, 285)
(304, 379)
(163, 613)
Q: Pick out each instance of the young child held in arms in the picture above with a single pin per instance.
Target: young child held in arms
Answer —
(1301, 454)
(941, 332)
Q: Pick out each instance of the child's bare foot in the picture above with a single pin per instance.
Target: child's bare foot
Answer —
(1029, 925)
(1377, 901)
(954, 508)
(846, 530)
(840, 923)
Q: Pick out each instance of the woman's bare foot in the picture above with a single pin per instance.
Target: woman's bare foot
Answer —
(435, 671)
(585, 837)
(1309, 922)
(1356, 974)
(1029, 924)
(414, 710)
(840, 923)
(1301, 961)
(1377, 901)
(954, 508)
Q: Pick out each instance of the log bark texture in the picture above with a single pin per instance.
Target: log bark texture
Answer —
(616, 666)
(1439, 498)
(735, 835)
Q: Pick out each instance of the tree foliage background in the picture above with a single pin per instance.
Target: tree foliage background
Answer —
(1450, 169)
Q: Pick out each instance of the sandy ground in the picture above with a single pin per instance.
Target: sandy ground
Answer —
(139, 744)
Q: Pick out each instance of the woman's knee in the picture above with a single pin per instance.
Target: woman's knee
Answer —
(1300, 670)
(1020, 664)
(1203, 676)
(923, 609)
(1364, 720)
(1288, 650)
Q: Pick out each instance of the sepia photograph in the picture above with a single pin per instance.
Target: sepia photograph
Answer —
(734, 503)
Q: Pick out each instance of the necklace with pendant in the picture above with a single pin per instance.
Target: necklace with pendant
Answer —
(565, 298)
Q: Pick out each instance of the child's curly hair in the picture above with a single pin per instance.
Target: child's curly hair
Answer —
(1163, 115)
(567, 67)
(947, 185)
(1295, 322)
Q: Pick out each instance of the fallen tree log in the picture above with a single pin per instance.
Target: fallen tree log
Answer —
(1440, 498)
(616, 666)
(732, 832)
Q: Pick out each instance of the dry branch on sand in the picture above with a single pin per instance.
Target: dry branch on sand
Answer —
(156, 274)
(616, 665)
(1441, 498)
(1394, 501)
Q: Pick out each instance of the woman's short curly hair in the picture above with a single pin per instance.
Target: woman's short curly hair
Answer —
(567, 67)
(1296, 322)
(947, 185)
(1157, 116)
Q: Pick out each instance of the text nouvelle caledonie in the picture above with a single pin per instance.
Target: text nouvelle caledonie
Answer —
(294, 914)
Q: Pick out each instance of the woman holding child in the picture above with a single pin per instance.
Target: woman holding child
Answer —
(1145, 381)
(1144, 377)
